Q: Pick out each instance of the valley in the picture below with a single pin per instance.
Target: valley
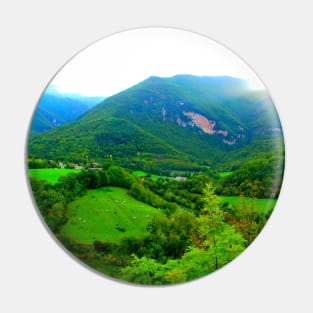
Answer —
(55, 109)
(163, 182)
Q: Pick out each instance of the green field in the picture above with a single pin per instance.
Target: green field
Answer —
(140, 173)
(151, 176)
(224, 174)
(50, 174)
(262, 205)
(107, 213)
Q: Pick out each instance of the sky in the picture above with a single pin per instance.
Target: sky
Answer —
(122, 60)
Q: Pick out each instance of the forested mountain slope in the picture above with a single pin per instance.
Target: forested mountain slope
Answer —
(178, 122)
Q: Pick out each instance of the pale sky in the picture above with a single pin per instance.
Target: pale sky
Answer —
(122, 60)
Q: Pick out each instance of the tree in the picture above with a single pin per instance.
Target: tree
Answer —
(246, 219)
(217, 237)
(104, 178)
(50, 202)
(170, 237)
(69, 187)
(197, 263)
(143, 271)
(120, 177)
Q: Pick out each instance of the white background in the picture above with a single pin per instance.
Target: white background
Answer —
(275, 273)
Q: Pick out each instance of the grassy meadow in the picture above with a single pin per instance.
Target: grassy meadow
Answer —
(261, 205)
(107, 213)
(50, 174)
(224, 174)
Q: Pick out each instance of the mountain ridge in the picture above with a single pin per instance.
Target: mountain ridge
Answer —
(188, 113)
(56, 108)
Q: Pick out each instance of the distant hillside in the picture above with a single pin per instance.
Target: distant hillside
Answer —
(55, 109)
(180, 122)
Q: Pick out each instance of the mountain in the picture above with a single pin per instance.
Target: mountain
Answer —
(55, 109)
(180, 122)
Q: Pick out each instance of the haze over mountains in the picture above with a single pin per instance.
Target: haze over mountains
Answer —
(180, 122)
(56, 108)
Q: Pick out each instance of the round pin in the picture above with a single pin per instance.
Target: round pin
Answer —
(155, 156)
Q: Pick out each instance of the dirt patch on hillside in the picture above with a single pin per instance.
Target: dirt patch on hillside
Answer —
(202, 122)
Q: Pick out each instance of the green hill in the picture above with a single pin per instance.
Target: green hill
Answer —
(107, 213)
